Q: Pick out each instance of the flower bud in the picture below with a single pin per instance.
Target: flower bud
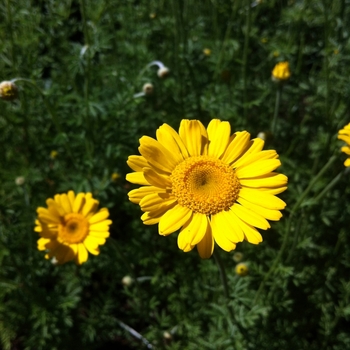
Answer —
(53, 154)
(127, 281)
(147, 89)
(167, 335)
(281, 72)
(241, 269)
(163, 72)
(20, 180)
(207, 52)
(237, 257)
(115, 177)
(8, 91)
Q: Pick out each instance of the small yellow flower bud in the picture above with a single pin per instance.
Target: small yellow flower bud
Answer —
(281, 72)
(264, 40)
(8, 91)
(167, 335)
(163, 72)
(127, 281)
(147, 89)
(237, 257)
(207, 52)
(241, 269)
(53, 154)
(115, 177)
(20, 180)
(262, 135)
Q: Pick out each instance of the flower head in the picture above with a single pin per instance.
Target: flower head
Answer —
(8, 91)
(281, 72)
(241, 269)
(71, 226)
(115, 177)
(212, 185)
(147, 89)
(207, 52)
(344, 134)
(53, 154)
(20, 180)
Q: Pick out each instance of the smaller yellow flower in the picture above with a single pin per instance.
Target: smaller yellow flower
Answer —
(241, 269)
(344, 134)
(207, 52)
(281, 72)
(264, 40)
(53, 154)
(8, 91)
(115, 177)
(71, 227)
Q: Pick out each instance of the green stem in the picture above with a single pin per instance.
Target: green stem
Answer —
(329, 187)
(286, 235)
(277, 107)
(49, 109)
(245, 59)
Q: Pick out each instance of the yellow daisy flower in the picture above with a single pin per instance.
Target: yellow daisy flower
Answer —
(212, 185)
(281, 72)
(344, 134)
(242, 269)
(71, 226)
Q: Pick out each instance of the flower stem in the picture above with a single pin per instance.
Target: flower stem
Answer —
(49, 109)
(277, 107)
(286, 235)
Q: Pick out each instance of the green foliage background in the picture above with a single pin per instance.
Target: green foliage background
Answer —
(89, 59)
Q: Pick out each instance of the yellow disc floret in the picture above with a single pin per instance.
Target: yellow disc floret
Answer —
(74, 228)
(205, 185)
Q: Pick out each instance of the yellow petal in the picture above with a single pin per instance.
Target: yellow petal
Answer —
(270, 180)
(195, 228)
(78, 202)
(156, 179)
(219, 136)
(206, 246)
(251, 234)
(137, 163)
(258, 168)
(168, 136)
(137, 178)
(135, 196)
(42, 243)
(173, 219)
(82, 254)
(269, 214)
(100, 216)
(65, 203)
(157, 155)
(47, 217)
(156, 200)
(229, 226)
(154, 216)
(250, 217)
(219, 232)
(71, 197)
(191, 134)
(90, 206)
(101, 226)
(251, 158)
(238, 145)
(262, 198)
(100, 234)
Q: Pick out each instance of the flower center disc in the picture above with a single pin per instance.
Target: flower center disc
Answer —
(74, 228)
(205, 185)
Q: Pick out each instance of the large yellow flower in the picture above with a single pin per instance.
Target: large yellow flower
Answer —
(213, 185)
(344, 134)
(71, 226)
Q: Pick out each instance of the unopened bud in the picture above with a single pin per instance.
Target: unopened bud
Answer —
(20, 180)
(237, 257)
(147, 89)
(8, 91)
(163, 72)
(167, 335)
(127, 281)
(241, 269)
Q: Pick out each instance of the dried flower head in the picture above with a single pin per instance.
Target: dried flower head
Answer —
(163, 72)
(20, 180)
(8, 91)
(127, 281)
(147, 89)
